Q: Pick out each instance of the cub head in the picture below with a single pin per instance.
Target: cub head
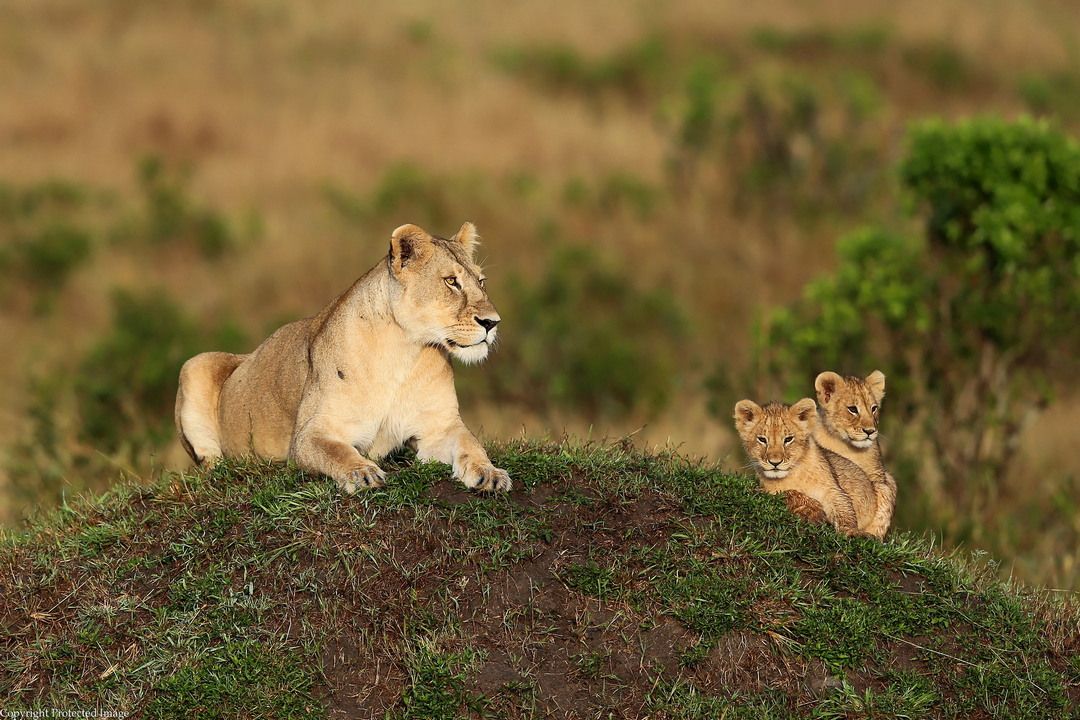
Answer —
(850, 406)
(439, 297)
(776, 437)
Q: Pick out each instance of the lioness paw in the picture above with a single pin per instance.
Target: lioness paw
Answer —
(487, 478)
(362, 478)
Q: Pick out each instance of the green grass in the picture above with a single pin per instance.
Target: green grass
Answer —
(610, 583)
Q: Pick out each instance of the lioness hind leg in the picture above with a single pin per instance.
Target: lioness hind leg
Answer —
(201, 379)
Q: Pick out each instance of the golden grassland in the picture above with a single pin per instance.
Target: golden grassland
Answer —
(271, 103)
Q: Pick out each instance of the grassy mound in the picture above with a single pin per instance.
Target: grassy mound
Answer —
(609, 584)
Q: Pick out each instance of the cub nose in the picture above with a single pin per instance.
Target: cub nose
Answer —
(487, 323)
(869, 431)
(775, 463)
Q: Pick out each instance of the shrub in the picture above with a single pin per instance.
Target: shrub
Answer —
(407, 190)
(967, 320)
(46, 232)
(126, 384)
(941, 64)
(800, 43)
(53, 252)
(585, 338)
(633, 71)
(113, 409)
(170, 215)
(1052, 93)
(789, 142)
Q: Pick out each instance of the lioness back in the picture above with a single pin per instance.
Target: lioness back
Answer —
(259, 400)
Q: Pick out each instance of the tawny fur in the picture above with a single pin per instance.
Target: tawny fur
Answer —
(779, 442)
(369, 373)
(848, 413)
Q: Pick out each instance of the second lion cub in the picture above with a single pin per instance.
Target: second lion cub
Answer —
(848, 413)
(779, 441)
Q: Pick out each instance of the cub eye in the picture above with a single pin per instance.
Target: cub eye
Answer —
(873, 409)
(762, 439)
(789, 439)
(452, 282)
(853, 410)
(482, 281)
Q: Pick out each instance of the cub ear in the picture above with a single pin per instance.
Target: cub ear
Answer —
(746, 412)
(876, 381)
(408, 245)
(803, 411)
(468, 238)
(826, 384)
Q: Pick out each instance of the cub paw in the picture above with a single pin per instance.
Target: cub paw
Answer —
(486, 478)
(805, 507)
(362, 478)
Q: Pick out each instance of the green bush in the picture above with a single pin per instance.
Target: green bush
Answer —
(965, 321)
(407, 190)
(941, 63)
(792, 143)
(585, 338)
(1052, 93)
(633, 71)
(126, 385)
(51, 254)
(45, 234)
(113, 409)
(821, 40)
(170, 215)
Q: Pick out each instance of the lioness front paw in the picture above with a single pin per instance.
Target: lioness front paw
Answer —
(362, 478)
(486, 478)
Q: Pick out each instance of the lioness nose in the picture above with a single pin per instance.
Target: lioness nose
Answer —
(486, 323)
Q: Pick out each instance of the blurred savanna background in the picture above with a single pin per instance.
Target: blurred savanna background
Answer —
(682, 204)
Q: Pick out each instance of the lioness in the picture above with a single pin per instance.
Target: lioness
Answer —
(848, 413)
(371, 372)
(779, 441)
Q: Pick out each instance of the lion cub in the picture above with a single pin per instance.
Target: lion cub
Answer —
(779, 441)
(848, 417)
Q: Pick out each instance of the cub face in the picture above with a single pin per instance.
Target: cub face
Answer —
(439, 295)
(850, 406)
(776, 437)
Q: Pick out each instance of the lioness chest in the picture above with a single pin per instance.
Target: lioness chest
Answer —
(368, 389)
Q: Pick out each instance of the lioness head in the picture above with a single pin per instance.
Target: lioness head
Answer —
(777, 436)
(439, 297)
(850, 406)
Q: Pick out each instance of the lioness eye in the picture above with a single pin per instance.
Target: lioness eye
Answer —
(762, 439)
(853, 410)
(482, 281)
(452, 282)
(788, 440)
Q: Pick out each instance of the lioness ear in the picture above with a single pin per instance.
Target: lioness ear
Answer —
(804, 411)
(746, 411)
(407, 246)
(876, 381)
(826, 384)
(468, 238)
